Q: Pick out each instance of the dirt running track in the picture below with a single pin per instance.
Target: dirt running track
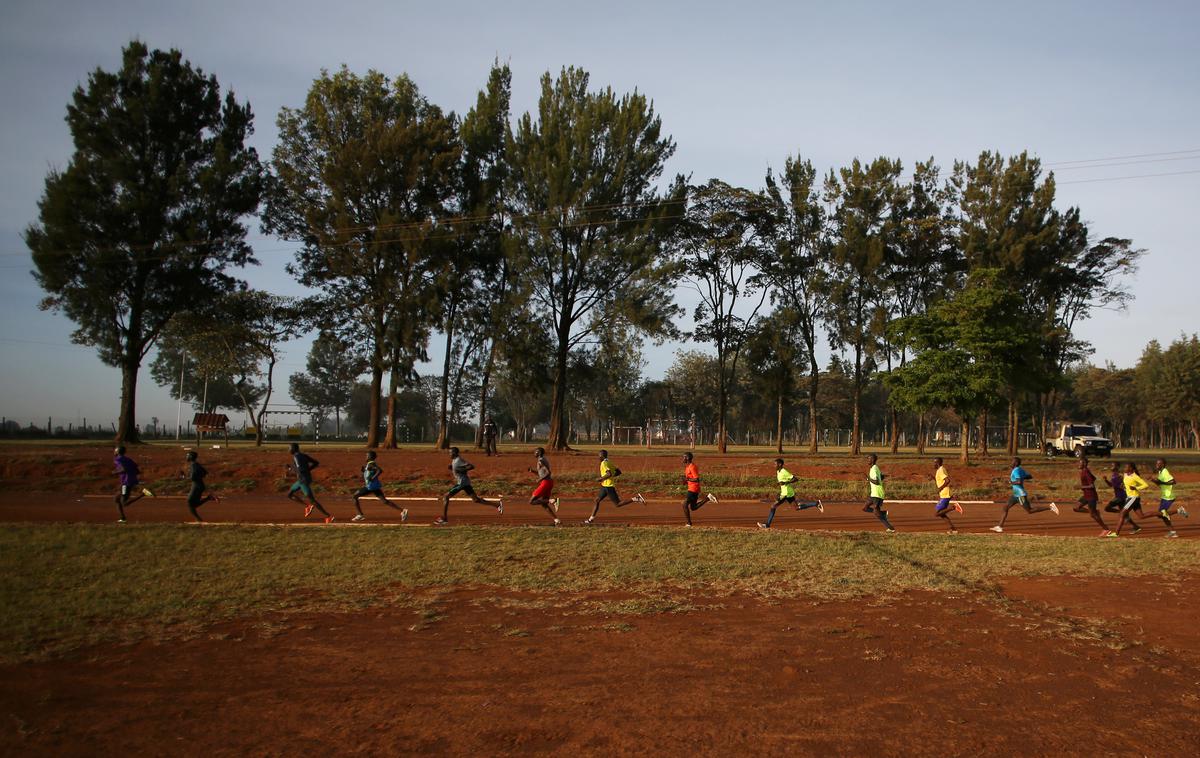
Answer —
(921, 674)
(277, 509)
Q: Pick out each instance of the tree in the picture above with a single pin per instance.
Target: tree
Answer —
(147, 216)
(864, 227)
(964, 349)
(364, 173)
(793, 223)
(693, 381)
(593, 225)
(1180, 390)
(203, 385)
(239, 338)
(719, 246)
(606, 381)
(333, 368)
(774, 350)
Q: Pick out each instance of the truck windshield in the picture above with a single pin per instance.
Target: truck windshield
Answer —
(1081, 431)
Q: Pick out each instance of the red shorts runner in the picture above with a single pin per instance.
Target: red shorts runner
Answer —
(544, 488)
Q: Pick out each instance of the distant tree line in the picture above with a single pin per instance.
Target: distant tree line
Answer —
(542, 251)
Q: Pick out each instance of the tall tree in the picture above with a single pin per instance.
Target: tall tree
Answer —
(864, 227)
(364, 174)
(796, 253)
(773, 352)
(333, 369)
(148, 214)
(593, 224)
(720, 250)
(204, 385)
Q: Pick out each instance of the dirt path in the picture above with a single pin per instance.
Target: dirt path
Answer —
(922, 674)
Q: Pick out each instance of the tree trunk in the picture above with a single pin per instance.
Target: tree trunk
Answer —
(127, 432)
(814, 378)
(337, 415)
(443, 438)
(983, 444)
(483, 393)
(722, 401)
(376, 391)
(262, 412)
(779, 424)
(920, 432)
(855, 441)
(557, 439)
(389, 440)
(965, 452)
(895, 430)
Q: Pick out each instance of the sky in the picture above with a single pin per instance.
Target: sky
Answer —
(739, 86)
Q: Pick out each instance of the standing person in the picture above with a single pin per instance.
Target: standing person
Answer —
(787, 494)
(1089, 500)
(545, 486)
(691, 478)
(373, 486)
(1020, 495)
(942, 479)
(490, 434)
(303, 466)
(196, 496)
(128, 472)
(1166, 483)
(1116, 480)
(1134, 485)
(462, 483)
(875, 501)
(608, 488)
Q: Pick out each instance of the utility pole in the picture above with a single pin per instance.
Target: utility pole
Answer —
(179, 404)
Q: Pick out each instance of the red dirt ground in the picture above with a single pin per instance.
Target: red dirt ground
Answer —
(919, 674)
(80, 474)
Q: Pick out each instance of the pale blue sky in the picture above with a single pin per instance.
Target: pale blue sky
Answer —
(739, 86)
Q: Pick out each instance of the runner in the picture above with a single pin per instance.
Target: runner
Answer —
(1166, 483)
(1020, 496)
(1134, 484)
(1090, 499)
(1116, 480)
(875, 501)
(372, 486)
(545, 486)
(942, 479)
(128, 472)
(462, 483)
(608, 488)
(691, 478)
(302, 465)
(490, 435)
(196, 496)
(787, 494)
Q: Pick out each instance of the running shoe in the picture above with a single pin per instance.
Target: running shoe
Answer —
(997, 529)
(308, 510)
(890, 530)
(120, 521)
(500, 507)
(147, 492)
(1054, 509)
(638, 497)
(687, 526)
(868, 509)
(359, 517)
(554, 504)
(761, 525)
(589, 520)
(558, 522)
(1081, 508)
(1182, 511)
(1112, 534)
(403, 515)
(713, 498)
(952, 531)
(1136, 529)
(329, 519)
(820, 507)
(439, 521)
(957, 506)
(1107, 533)
(1172, 533)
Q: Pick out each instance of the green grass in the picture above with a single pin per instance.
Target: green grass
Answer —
(66, 586)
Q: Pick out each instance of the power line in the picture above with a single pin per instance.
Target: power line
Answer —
(1122, 157)
(1132, 163)
(1136, 176)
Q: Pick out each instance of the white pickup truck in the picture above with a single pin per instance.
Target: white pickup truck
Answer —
(1078, 440)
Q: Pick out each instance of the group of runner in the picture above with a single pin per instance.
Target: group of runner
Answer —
(1125, 481)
